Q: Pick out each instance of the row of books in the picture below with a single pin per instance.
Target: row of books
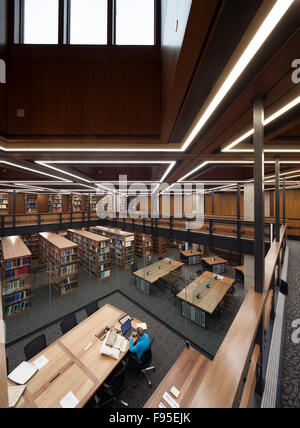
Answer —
(16, 273)
(66, 259)
(104, 274)
(68, 252)
(66, 289)
(18, 263)
(68, 280)
(18, 307)
(68, 269)
(16, 297)
(14, 285)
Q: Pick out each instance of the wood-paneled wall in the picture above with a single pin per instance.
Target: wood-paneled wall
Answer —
(3, 56)
(84, 99)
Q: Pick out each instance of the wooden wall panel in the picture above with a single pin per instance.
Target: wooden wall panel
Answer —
(3, 55)
(43, 205)
(85, 99)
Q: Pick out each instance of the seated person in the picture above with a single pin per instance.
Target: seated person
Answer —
(141, 345)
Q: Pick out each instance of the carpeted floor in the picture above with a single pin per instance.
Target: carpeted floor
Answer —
(290, 386)
(48, 307)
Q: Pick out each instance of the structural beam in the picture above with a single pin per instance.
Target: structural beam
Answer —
(277, 201)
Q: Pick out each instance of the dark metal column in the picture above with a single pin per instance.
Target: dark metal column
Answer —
(14, 209)
(238, 215)
(259, 197)
(283, 201)
(277, 201)
(259, 218)
(213, 203)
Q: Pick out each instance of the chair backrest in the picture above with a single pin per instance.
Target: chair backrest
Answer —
(134, 267)
(146, 358)
(68, 323)
(35, 347)
(115, 382)
(91, 308)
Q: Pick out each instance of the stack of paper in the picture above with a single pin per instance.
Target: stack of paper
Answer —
(23, 373)
(14, 394)
(143, 325)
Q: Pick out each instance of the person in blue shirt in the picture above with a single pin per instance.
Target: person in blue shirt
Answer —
(141, 345)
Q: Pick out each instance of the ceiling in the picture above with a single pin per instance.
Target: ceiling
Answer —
(218, 152)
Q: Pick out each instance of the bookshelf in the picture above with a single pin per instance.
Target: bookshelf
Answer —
(143, 246)
(76, 203)
(173, 243)
(16, 278)
(32, 242)
(62, 254)
(160, 245)
(3, 203)
(93, 203)
(31, 204)
(93, 253)
(121, 245)
(55, 204)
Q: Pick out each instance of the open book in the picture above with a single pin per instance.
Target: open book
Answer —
(23, 373)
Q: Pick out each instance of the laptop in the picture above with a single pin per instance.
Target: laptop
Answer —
(127, 329)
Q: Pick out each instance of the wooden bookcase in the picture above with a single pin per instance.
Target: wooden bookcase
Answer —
(16, 276)
(160, 245)
(32, 242)
(76, 203)
(143, 246)
(63, 256)
(93, 202)
(173, 243)
(93, 252)
(3, 203)
(121, 245)
(31, 204)
(58, 204)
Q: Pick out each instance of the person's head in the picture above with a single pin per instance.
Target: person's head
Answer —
(140, 331)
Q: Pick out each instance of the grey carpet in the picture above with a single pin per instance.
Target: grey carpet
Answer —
(47, 306)
(290, 388)
(162, 358)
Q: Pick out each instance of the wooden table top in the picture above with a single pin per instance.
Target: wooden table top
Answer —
(158, 270)
(89, 235)
(13, 247)
(74, 364)
(239, 268)
(191, 253)
(214, 260)
(225, 279)
(58, 241)
(113, 231)
(186, 375)
(210, 298)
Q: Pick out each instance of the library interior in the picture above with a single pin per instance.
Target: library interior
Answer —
(149, 204)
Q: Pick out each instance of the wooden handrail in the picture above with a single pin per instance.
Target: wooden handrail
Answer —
(3, 368)
(249, 389)
(221, 384)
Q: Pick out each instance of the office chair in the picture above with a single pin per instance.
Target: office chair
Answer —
(35, 347)
(134, 268)
(145, 366)
(91, 308)
(68, 323)
(111, 390)
(174, 292)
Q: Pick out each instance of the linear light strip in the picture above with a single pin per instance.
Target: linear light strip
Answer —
(33, 170)
(267, 121)
(275, 15)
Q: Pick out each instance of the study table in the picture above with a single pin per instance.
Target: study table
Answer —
(203, 296)
(215, 264)
(74, 364)
(186, 376)
(193, 256)
(150, 274)
(239, 272)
